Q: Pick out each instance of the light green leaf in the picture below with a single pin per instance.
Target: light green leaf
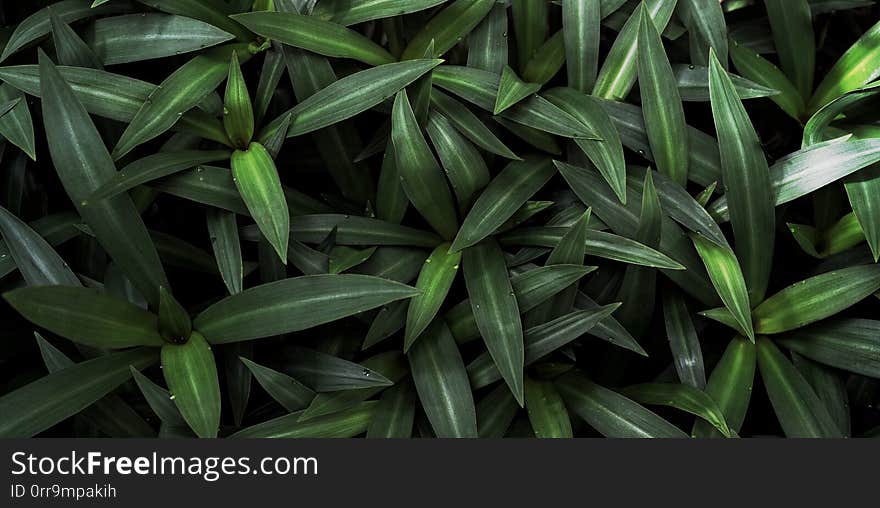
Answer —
(191, 374)
(435, 280)
(746, 180)
(727, 277)
(816, 298)
(258, 183)
(661, 103)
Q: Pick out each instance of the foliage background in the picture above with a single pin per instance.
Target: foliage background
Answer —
(828, 390)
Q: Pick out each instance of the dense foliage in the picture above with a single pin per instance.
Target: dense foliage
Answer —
(464, 218)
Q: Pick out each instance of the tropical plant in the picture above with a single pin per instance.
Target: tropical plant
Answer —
(465, 218)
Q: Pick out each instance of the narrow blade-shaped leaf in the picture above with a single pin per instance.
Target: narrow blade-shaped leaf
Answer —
(610, 413)
(724, 270)
(816, 298)
(747, 180)
(295, 304)
(41, 404)
(442, 384)
(505, 194)
(661, 103)
(258, 183)
(191, 375)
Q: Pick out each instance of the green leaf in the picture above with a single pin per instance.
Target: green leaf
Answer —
(395, 413)
(746, 180)
(541, 340)
(829, 387)
(38, 24)
(531, 289)
(178, 93)
(495, 412)
(481, 88)
(37, 261)
(353, 94)
(316, 35)
(798, 408)
(792, 27)
(69, 48)
(442, 384)
(110, 96)
(390, 365)
(504, 195)
(295, 304)
(238, 113)
(546, 410)
(857, 67)
(487, 43)
(191, 374)
(495, 309)
(706, 27)
(55, 229)
(146, 36)
(223, 230)
(354, 230)
(174, 323)
(41, 404)
(607, 154)
(464, 165)
(86, 316)
(348, 423)
(661, 103)
(753, 66)
(287, 391)
(687, 355)
(639, 285)
(730, 385)
(581, 28)
(447, 28)
(610, 413)
(599, 243)
(16, 125)
(862, 189)
(816, 298)
(258, 183)
(420, 174)
(811, 168)
(852, 345)
(83, 164)
(682, 208)
(214, 12)
(623, 220)
(511, 90)
(724, 271)
(529, 26)
(153, 167)
(327, 373)
(349, 13)
(817, 127)
(469, 125)
(110, 414)
(618, 74)
(158, 399)
(435, 280)
(684, 397)
(693, 84)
